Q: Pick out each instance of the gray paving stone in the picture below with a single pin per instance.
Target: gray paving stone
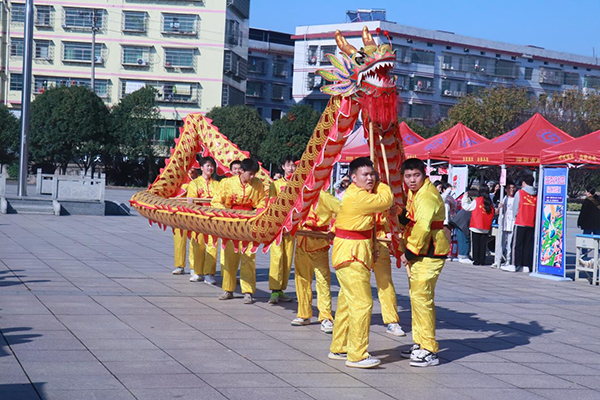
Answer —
(346, 393)
(148, 367)
(206, 393)
(104, 394)
(241, 380)
(54, 355)
(264, 394)
(500, 394)
(18, 392)
(132, 355)
(561, 394)
(318, 380)
(538, 382)
(161, 381)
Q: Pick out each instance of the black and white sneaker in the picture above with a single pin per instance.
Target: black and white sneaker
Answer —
(410, 352)
(424, 358)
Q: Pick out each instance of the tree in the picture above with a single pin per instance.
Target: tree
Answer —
(242, 125)
(68, 124)
(492, 111)
(290, 135)
(134, 122)
(9, 136)
(574, 111)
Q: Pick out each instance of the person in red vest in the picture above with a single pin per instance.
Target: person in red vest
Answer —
(482, 215)
(524, 208)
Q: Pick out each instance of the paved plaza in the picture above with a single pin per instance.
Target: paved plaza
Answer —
(89, 310)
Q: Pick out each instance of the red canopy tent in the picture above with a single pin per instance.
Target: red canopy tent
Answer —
(438, 147)
(357, 146)
(521, 146)
(583, 150)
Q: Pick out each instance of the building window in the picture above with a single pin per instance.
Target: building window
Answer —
(402, 82)
(506, 69)
(235, 66)
(474, 89)
(324, 51)
(528, 73)
(479, 64)
(16, 82)
(312, 55)
(452, 88)
(257, 65)
(82, 52)
(423, 57)
(592, 82)
(443, 109)
(280, 69)
(314, 81)
(259, 111)
(16, 47)
(43, 50)
(255, 89)
(41, 83)
(43, 16)
(134, 21)
(275, 114)
(232, 96)
(422, 84)
(181, 58)
(82, 18)
(571, 79)
(277, 92)
(233, 33)
(551, 76)
(17, 14)
(420, 111)
(138, 56)
(180, 24)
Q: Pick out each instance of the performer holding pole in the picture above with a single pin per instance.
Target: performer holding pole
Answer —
(426, 249)
(242, 192)
(281, 254)
(205, 254)
(180, 238)
(312, 256)
(352, 257)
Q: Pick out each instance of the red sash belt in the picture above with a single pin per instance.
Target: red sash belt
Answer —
(242, 207)
(318, 228)
(435, 225)
(354, 235)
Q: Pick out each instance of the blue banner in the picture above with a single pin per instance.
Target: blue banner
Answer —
(552, 258)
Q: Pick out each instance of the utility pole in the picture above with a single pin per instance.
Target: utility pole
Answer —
(26, 99)
(94, 30)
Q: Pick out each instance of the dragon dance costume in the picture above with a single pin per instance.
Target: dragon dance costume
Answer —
(180, 241)
(312, 256)
(426, 249)
(352, 258)
(281, 254)
(382, 268)
(233, 194)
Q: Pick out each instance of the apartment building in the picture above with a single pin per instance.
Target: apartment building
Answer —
(194, 52)
(436, 68)
(270, 67)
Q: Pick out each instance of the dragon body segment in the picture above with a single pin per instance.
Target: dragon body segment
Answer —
(361, 83)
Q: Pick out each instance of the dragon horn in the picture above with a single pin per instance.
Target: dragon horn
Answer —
(367, 38)
(343, 44)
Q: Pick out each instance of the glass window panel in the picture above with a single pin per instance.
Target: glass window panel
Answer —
(134, 21)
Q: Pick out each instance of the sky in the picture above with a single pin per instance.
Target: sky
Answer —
(571, 26)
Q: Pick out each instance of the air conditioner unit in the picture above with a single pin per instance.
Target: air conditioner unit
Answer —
(407, 60)
(99, 60)
(142, 61)
(447, 92)
(457, 93)
(445, 66)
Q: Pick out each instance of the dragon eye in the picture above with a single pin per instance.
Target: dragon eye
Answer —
(360, 57)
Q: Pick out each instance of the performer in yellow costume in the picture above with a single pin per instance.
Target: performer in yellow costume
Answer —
(205, 254)
(180, 236)
(352, 257)
(426, 248)
(234, 168)
(312, 256)
(386, 292)
(243, 192)
(281, 254)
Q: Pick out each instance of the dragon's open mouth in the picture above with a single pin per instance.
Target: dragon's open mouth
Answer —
(379, 74)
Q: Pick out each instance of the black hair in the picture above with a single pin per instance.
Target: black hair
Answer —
(484, 192)
(413, 163)
(288, 159)
(445, 185)
(250, 165)
(359, 163)
(204, 160)
(234, 162)
(528, 179)
(591, 190)
(275, 171)
(438, 183)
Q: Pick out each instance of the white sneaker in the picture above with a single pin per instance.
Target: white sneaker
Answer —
(210, 279)
(337, 356)
(248, 299)
(411, 353)
(178, 271)
(196, 278)
(465, 261)
(300, 321)
(327, 326)
(424, 358)
(508, 268)
(395, 329)
(527, 270)
(368, 362)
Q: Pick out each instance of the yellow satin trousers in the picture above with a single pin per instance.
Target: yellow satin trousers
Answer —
(204, 256)
(179, 244)
(281, 262)
(385, 287)
(306, 264)
(424, 275)
(229, 268)
(353, 314)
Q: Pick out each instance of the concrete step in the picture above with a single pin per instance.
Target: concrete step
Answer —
(18, 205)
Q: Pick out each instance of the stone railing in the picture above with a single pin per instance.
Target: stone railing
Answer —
(2, 184)
(75, 188)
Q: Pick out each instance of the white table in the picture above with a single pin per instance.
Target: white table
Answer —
(591, 243)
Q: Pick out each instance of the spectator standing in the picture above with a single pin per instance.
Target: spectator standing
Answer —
(589, 217)
(524, 209)
(461, 224)
(341, 186)
(482, 215)
(508, 224)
